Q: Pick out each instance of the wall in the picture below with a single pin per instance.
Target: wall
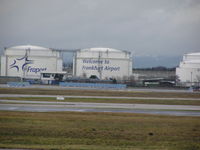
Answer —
(188, 71)
(32, 70)
(104, 65)
(106, 68)
(4, 80)
(188, 74)
(29, 65)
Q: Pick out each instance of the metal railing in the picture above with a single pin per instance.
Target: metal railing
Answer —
(92, 85)
(18, 84)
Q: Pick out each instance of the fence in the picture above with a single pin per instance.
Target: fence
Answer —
(18, 84)
(92, 85)
(5, 79)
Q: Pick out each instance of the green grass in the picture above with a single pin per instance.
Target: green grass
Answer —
(104, 100)
(101, 131)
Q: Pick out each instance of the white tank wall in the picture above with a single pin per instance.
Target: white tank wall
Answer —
(188, 74)
(3, 65)
(103, 64)
(189, 69)
(40, 64)
(189, 65)
(192, 57)
(39, 60)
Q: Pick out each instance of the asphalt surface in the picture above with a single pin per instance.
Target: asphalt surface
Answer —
(43, 106)
(100, 105)
(100, 97)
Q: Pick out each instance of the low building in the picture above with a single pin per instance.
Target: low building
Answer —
(50, 77)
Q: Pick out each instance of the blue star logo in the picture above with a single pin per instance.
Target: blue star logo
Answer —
(26, 62)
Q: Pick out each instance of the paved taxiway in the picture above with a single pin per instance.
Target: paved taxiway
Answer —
(100, 97)
(44, 106)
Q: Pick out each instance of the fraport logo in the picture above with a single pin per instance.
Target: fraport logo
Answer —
(35, 70)
(23, 67)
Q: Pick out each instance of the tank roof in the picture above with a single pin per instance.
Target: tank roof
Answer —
(25, 47)
(102, 49)
(194, 54)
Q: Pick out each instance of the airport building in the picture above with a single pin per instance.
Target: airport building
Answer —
(28, 61)
(104, 63)
(188, 71)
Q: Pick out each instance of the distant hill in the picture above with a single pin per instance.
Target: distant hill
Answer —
(149, 62)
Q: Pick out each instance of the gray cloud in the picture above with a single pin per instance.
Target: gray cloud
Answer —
(148, 28)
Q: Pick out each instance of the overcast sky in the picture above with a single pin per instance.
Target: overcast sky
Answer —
(147, 28)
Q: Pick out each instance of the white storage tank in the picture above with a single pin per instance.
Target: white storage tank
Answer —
(188, 71)
(28, 61)
(104, 63)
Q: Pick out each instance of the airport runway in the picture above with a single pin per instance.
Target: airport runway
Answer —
(99, 97)
(43, 106)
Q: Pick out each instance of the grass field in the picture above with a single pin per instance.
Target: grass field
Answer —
(99, 131)
(104, 100)
(96, 93)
